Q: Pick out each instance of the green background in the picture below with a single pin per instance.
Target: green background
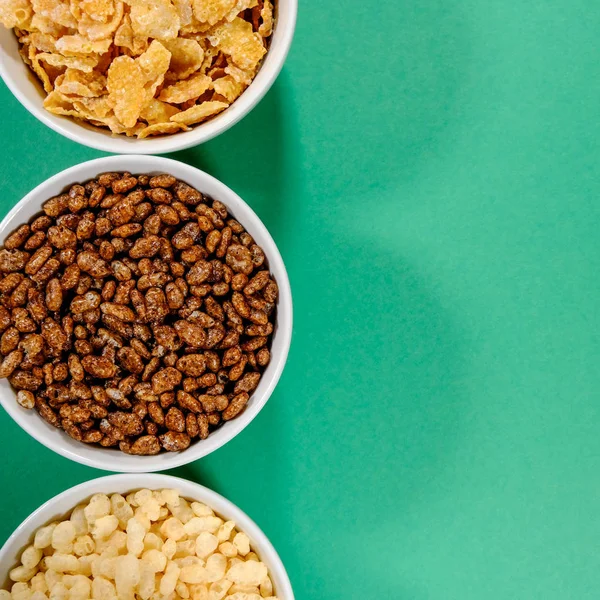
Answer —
(430, 172)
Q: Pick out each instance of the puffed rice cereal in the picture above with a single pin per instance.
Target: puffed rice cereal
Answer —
(149, 545)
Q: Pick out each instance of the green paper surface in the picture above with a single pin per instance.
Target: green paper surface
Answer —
(430, 171)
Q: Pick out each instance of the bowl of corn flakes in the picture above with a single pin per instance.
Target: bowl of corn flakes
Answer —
(142, 76)
(141, 536)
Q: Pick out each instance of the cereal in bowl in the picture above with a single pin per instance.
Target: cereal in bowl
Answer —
(135, 312)
(141, 67)
(146, 545)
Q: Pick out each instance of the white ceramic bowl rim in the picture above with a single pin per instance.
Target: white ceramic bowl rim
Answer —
(25, 88)
(65, 502)
(113, 459)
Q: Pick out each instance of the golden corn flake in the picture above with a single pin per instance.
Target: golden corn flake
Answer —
(83, 63)
(196, 29)
(98, 10)
(41, 41)
(187, 89)
(115, 125)
(237, 40)
(15, 13)
(125, 86)
(184, 10)
(212, 11)
(228, 87)
(57, 103)
(187, 56)
(73, 45)
(240, 75)
(199, 112)
(56, 11)
(50, 73)
(133, 131)
(100, 30)
(39, 70)
(76, 9)
(124, 34)
(78, 83)
(45, 25)
(266, 28)
(141, 67)
(155, 63)
(158, 112)
(93, 108)
(154, 19)
(124, 37)
(240, 6)
(162, 128)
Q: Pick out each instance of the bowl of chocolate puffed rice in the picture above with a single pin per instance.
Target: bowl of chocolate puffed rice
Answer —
(142, 536)
(145, 314)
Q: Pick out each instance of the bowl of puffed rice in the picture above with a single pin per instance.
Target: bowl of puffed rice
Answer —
(143, 77)
(137, 334)
(140, 536)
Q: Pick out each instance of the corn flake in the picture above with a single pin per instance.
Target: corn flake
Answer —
(240, 75)
(83, 63)
(185, 90)
(239, 7)
(76, 8)
(125, 38)
(15, 13)
(93, 108)
(95, 30)
(266, 14)
(154, 64)
(125, 85)
(228, 87)
(115, 125)
(161, 128)
(196, 29)
(199, 112)
(154, 19)
(187, 56)
(212, 11)
(141, 67)
(56, 11)
(39, 70)
(124, 34)
(78, 83)
(239, 41)
(72, 45)
(184, 10)
(46, 25)
(41, 41)
(158, 112)
(59, 104)
(98, 10)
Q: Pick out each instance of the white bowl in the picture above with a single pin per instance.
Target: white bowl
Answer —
(111, 459)
(63, 504)
(27, 89)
